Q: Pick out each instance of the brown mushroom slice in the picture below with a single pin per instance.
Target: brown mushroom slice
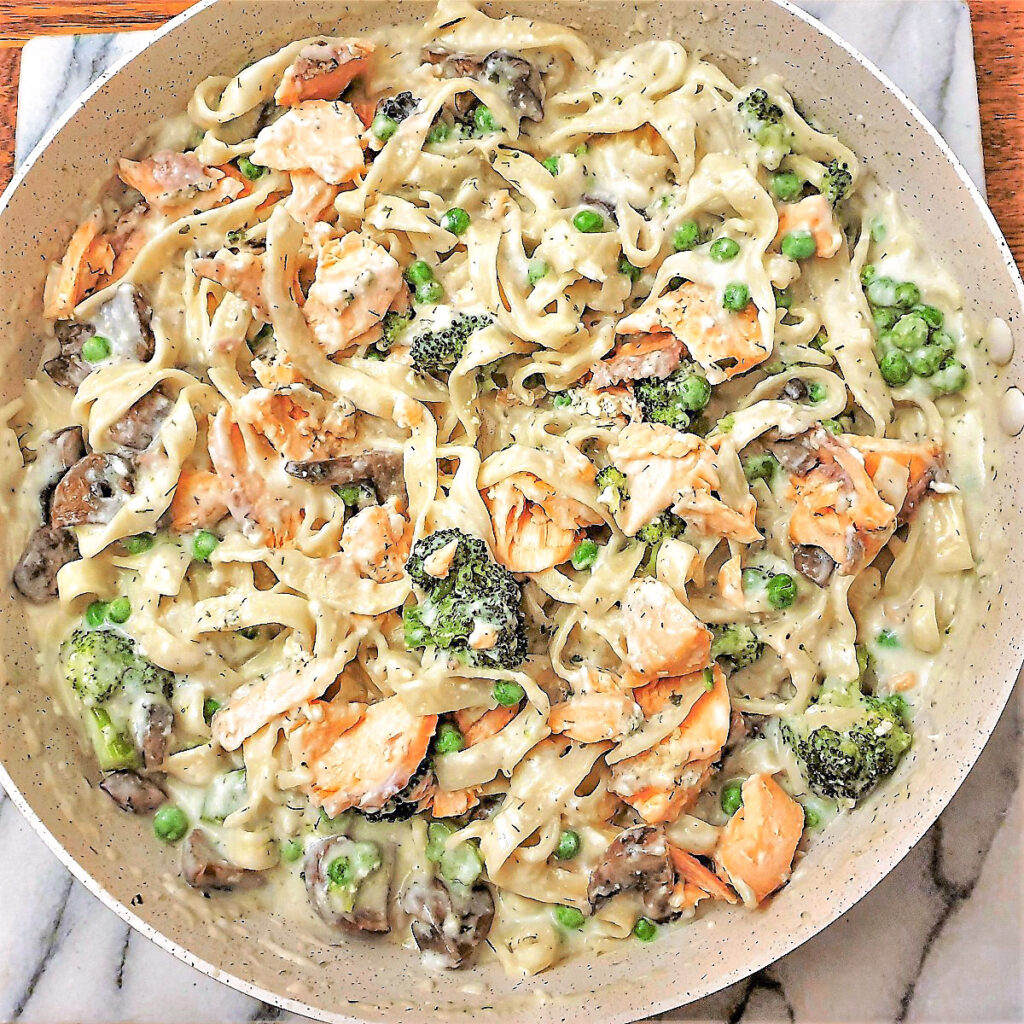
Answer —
(448, 925)
(48, 550)
(638, 860)
(385, 469)
(368, 911)
(151, 730)
(798, 454)
(202, 868)
(142, 422)
(133, 793)
(92, 491)
(514, 75)
(69, 369)
(58, 453)
(813, 563)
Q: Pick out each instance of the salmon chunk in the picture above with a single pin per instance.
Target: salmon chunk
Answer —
(240, 273)
(323, 70)
(89, 258)
(174, 183)
(813, 214)
(923, 461)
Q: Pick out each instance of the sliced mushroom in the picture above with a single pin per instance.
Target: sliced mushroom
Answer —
(142, 421)
(369, 911)
(447, 925)
(384, 469)
(69, 369)
(795, 389)
(48, 550)
(399, 107)
(133, 793)
(151, 731)
(917, 490)
(515, 75)
(92, 490)
(638, 861)
(813, 563)
(798, 454)
(202, 868)
(61, 451)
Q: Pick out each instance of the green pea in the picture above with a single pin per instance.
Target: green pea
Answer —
(868, 273)
(562, 400)
(878, 230)
(588, 221)
(882, 291)
(645, 929)
(210, 707)
(924, 361)
(724, 249)
(783, 298)
(884, 317)
(811, 818)
(139, 544)
(568, 845)
(909, 332)
(817, 392)
(569, 918)
(786, 186)
(170, 823)
(383, 127)
(203, 545)
(456, 220)
(799, 245)
(485, 121)
(781, 591)
(537, 270)
(888, 638)
(895, 368)
(760, 467)
(944, 342)
(694, 393)
(950, 377)
(439, 132)
(438, 834)
(550, 164)
(339, 872)
(119, 610)
(686, 236)
(463, 864)
(932, 315)
(96, 349)
(251, 171)
(507, 693)
(731, 798)
(431, 292)
(419, 272)
(908, 295)
(581, 150)
(96, 614)
(585, 554)
(736, 297)
(291, 850)
(753, 578)
(449, 739)
(627, 268)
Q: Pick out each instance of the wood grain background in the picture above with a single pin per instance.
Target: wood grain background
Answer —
(998, 44)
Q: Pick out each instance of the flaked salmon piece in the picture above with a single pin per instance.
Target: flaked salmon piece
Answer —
(813, 214)
(667, 469)
(89, 257)
(445, 804)
(271, 698)
(723, 343)
(198, 502)
(376, 541)
(314, 136)
(299, 422)
(755, 850)
(695, 882)
(837, 508)
(315, 726)
(323, 70)
(173, 181)
(311, 198)
(922, 460)
(535, 528)
(247, 471)
(134, 228)
(664, 781)
(645, 355)
(240, 273)
(356, 283)
(366, 765)
(595, 717)
(663, 637)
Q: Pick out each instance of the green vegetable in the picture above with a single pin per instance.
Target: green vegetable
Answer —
(537, 269)
(383, 127)
(760, 467)
(484, 120)
(731, 798)
(585, 554)
(786, 186)
(581, 150)
(881, 291)
(736, 642)
(817, 392)
(291, 850)
(884, 317)
(438, 834)
(811, 818)
(686, 236)
(462, 864)
(753, 578)
(868, 273)
(925, 360)
(944, 342)
(783, 297)
(799, 245)
(449, 739)
(114, 751)
(781, 591)
(210, 707)
(724, 249)
(836, 182)
(612, 487)
(562, 400)
(456, 220)
(203, 545)
(98, 663)
(764, 122)
(96, 349)
(832, 426)
(736, 297)
(248, 632)
(507, 693)
(139, 544)
(950, 377)
(847, 741)
(878, 230)
(393, 326)
(888, 638)
(668, 524)
(430, 292)
(627, 268)
(170, 823)
(895, 368)
(645, 929)
(419, 272)
(226, 794)
(909, 332)
(671, 400)
(119, 610)
(360, 495)
(568, 845)
(437, 350)
(932, 315)
(96, 614)
(908, 295)
(439, 132)
(569, 918)
(588, 221)
(550, 164)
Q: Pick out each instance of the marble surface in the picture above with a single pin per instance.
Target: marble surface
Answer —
(940, 940)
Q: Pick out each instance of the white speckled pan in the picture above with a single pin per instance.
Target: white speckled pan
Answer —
(44, 768)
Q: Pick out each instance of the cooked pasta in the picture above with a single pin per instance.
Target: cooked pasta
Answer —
(502, 488)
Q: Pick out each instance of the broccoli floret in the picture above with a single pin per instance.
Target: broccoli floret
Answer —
(836, 182)
(765, 123)
(474, 592)
(393, 326)
(737, 643)
(848, 741)
(612, 487)
(668, 524)
(437, 349)
(674, 399)
(99, 662)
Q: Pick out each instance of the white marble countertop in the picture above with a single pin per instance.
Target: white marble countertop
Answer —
(939, 940)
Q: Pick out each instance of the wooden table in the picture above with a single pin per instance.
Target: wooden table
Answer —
(998, 45)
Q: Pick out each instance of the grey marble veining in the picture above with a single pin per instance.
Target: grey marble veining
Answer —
(938, 941)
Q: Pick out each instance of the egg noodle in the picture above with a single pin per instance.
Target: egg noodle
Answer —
(514, 497)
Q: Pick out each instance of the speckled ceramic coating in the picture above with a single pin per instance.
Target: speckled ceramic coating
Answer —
(48, 776)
